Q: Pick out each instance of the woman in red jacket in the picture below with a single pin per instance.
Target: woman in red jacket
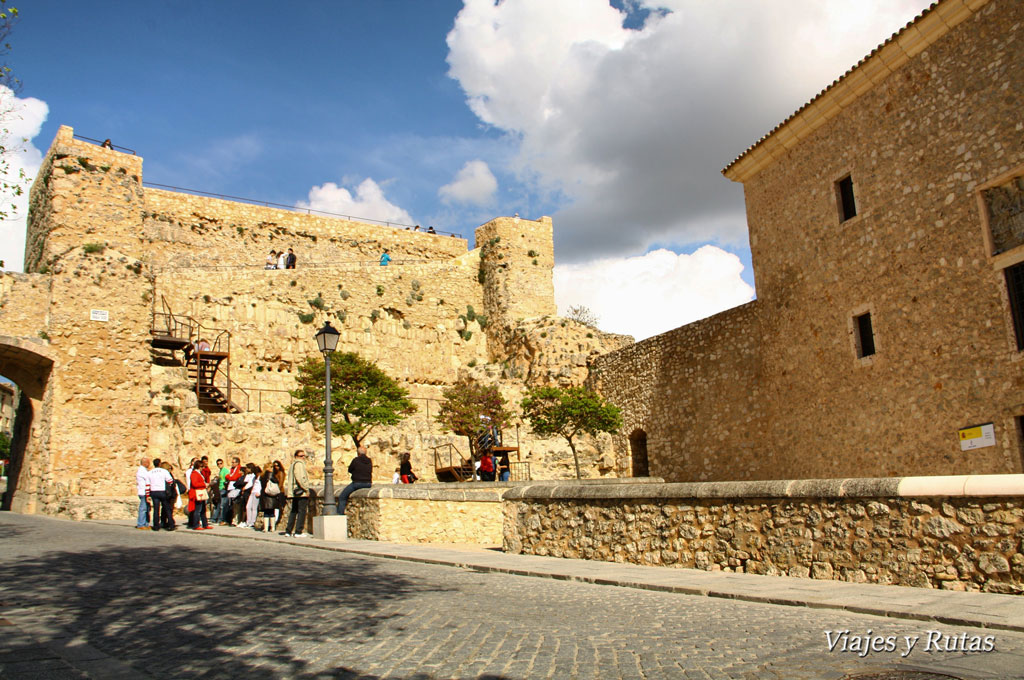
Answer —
(197, 499)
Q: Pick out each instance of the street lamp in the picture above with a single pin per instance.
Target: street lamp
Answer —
(327, 341)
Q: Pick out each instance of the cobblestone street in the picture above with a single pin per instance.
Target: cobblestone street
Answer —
(97, 600)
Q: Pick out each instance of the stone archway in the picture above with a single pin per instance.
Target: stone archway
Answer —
(638, 453)
(29, 365)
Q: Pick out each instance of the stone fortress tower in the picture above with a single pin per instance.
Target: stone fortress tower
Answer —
(109, 260)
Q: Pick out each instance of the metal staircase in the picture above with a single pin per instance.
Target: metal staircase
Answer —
(205, 353)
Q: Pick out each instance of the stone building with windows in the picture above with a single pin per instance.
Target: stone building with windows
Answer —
(8, 405)
(886, 224)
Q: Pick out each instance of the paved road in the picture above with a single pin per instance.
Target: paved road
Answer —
(92, 600)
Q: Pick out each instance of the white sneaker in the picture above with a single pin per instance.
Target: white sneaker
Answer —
(243, 525)
(303, 535)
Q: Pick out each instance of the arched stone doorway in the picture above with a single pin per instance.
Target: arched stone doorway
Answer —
(638, 452)
(28, 364)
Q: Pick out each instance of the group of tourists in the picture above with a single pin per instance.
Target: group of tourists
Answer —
(280, 260)
(242, 495)
(247, 496)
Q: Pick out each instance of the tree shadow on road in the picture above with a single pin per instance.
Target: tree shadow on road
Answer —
(206, 611)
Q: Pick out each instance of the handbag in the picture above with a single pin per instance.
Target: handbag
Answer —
(273, 489)
(201, 495)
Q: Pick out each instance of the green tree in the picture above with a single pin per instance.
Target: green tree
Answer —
(465, 406)
(567, 412)
(362, 396)
(5, 445)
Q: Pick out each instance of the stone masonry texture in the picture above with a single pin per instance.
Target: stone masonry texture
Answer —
(775, 389)
(951, 543)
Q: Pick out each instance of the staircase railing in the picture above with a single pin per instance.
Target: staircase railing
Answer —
(171, 324)
(449, 456)
(208, 349)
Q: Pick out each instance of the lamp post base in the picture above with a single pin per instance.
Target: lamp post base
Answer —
(330, 528)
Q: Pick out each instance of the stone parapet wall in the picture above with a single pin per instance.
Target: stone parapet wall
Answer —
(440, 513)
(190, 230)
(427, 513)
(955, 533)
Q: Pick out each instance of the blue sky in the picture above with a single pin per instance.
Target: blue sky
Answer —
(614, 119)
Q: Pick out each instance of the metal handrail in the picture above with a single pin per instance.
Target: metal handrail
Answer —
(296, 208)
(99, 143)
(451, 448)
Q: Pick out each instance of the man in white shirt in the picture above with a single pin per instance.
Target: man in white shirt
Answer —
(142, 482)
(159, 478)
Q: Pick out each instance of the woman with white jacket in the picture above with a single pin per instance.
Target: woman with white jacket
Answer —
(252, 482)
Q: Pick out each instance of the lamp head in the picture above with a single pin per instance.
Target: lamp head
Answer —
(327, 338)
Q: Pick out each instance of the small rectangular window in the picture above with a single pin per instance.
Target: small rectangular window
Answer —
(1015, 290)
(865, 336)
(847, 205)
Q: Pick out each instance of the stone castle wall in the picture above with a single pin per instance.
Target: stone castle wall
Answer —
(696, 393)
(99, 241)
(917, 144)
(186, 230)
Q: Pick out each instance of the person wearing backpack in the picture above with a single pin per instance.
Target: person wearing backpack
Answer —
(298, 485)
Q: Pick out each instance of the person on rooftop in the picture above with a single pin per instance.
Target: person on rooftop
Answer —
(385, 258)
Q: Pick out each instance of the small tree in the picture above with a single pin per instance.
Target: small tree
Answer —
(568, 412)
(584, 315)
(362, 396)
(465, 406)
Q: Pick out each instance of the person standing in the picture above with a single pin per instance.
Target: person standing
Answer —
(298, 485)
(405, 473)
(290, 260)
(487, 467)
(504, 467)
(282, 260)
(385, 258)
(361, 469)
(159, 479)
(142, 482)
(230, 493)
(197, 496)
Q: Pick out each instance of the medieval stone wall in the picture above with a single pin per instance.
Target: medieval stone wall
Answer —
(185, 230)
(800, 401)
(696, 394)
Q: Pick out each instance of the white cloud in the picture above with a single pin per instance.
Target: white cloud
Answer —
(634, 126)
(368, 203)
(653, 293)
(21, 119)
(474, 183)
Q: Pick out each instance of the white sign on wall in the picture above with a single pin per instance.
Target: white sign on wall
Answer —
(99, 315)
(977, 437)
